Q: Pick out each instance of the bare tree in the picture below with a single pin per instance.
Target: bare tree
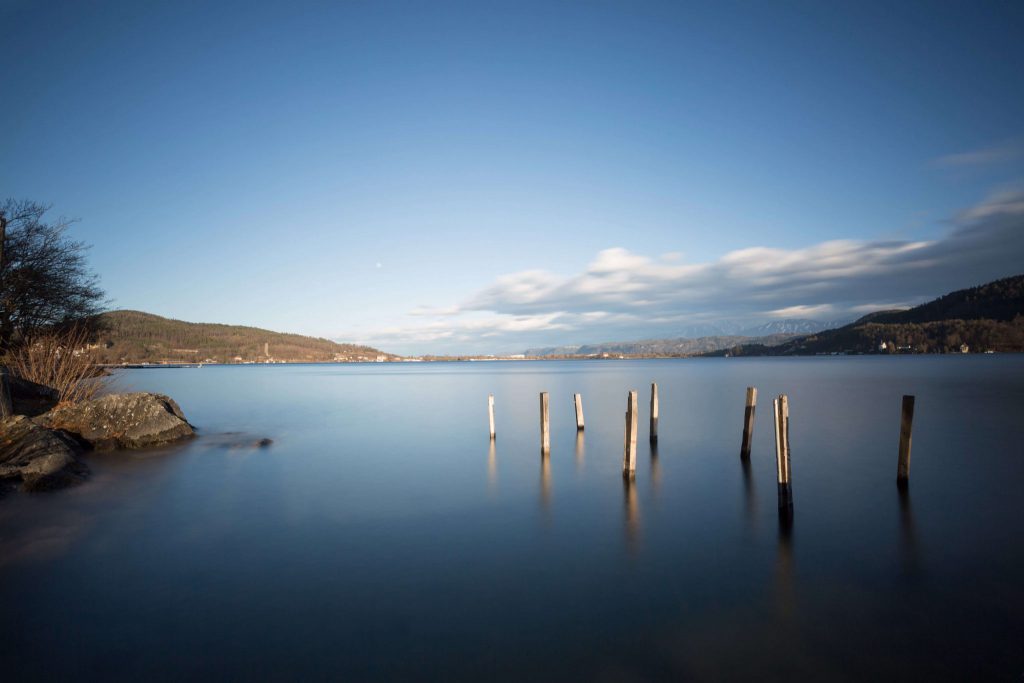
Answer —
(45, 282)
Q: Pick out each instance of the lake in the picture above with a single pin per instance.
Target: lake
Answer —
(383, 537)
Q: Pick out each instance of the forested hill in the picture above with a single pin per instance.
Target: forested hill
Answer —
(989, 317)
(136, 337)
(999, 300)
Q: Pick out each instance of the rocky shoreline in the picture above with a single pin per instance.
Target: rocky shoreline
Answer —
(42, 444)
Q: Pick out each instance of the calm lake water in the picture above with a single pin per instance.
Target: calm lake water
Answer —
(381, 536)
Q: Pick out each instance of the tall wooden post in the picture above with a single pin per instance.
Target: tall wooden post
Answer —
(748, 422)
(629, 446)
(781, 409)
(545, 433)
(625, 440)
(5, 395)
(578, 401)
(906, 426)
(654, 412)
(490, 412)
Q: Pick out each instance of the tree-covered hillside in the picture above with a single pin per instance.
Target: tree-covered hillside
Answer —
(1001, 300)
(136, 337)
(985, 318)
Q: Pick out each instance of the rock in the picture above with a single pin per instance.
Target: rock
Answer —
(136, 420)
(236, 441)
(41, 458)
(29, 398)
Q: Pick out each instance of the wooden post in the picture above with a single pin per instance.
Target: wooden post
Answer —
(625, 440)
(906, 426)
(781, 409)
(748, 422)
(578, 400)
(545, 434)
(654, 412)
(778, 439)
(5, 395)
(490, 412)
(629, 447)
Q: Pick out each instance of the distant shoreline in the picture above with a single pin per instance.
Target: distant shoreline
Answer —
(476, 359)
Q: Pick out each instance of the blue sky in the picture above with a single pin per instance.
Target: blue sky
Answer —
(448, 177)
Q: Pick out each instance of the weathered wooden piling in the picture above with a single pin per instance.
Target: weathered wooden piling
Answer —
(5, 395)
(654, 412)
(490, 412)
(781, 410)
(629, 444)
(578, 401)
(625, 440)
(545, 431)
(906, 426)
(748, 422)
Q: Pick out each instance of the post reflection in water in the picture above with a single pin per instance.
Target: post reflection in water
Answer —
(545, 485)
(910, 555)
(492, 468)
(580, 451)
(655, 468)
(784, 565)
(632, 513)
(749, 494)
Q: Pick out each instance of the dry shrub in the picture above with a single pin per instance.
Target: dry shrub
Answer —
(59, 360)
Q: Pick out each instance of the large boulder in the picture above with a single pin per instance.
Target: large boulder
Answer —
(136, 420)
(41, 458)
(29, 398)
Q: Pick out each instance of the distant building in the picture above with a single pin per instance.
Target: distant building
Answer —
(964, 348)
(883, 346)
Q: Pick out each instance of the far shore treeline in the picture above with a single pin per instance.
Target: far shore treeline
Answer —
(137, 337)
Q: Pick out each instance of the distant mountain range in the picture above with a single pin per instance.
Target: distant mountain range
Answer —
(790, 326)
(137, 337)
(989, 317)
(695, 340)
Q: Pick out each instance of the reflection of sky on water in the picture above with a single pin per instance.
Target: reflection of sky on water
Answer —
(392, 539)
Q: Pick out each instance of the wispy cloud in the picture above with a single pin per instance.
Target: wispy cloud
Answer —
(1002, 152)
(623, 295)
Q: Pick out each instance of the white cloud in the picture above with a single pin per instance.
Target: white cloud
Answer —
(813, 312)
(623, 295)
(879, 306)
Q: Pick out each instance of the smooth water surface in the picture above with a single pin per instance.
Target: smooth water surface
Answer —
(382, 536)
